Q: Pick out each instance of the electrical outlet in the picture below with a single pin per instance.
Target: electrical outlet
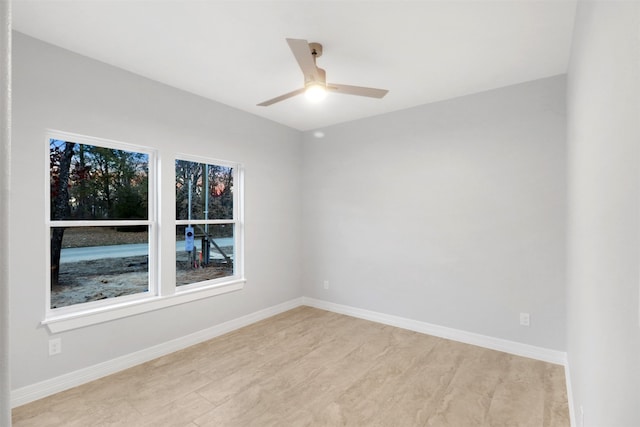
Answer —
(55, 346)
(326, 284)
(524, 319)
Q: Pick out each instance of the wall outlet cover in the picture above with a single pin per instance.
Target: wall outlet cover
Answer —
(524, 319)
(55, 346)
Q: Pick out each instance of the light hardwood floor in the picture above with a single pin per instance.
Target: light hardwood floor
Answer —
(309, 367)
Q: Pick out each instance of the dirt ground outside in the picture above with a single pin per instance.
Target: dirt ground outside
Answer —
(93, 280)
(81, 237)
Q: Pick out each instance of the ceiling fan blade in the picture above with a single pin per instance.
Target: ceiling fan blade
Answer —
(302, 53)
(281, 98)
(357, 90)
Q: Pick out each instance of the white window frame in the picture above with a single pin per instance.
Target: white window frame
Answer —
(237, 221)
(162, 291)
(52, 314)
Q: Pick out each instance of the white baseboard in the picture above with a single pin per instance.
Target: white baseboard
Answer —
(46, 388)
(512, 347)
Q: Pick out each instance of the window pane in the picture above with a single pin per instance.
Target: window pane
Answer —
(97, 183)
(204, 252)
(203, 191)
(97, 263)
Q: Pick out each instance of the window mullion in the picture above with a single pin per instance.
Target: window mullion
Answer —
(98, 223)
(206, 221)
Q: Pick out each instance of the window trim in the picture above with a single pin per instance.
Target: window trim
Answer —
(96, 315)
(161, 294)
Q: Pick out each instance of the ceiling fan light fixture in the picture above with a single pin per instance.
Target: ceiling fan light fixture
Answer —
(315, 87)
(315, 92)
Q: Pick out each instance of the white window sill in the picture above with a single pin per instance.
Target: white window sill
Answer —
(66, 322)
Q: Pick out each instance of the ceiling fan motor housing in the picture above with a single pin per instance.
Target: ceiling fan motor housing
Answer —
(316, 49)
(320, 80)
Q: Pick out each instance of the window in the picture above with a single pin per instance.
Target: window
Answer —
(104, 236)
(101, 222)
(208, 227)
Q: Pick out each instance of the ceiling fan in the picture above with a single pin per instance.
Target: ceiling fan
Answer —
(315, 78)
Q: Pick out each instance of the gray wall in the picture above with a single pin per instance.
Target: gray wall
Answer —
(56, 89)
(604, 187)
(451, 213)
(5, 177)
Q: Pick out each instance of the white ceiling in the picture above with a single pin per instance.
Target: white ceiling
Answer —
(235, 52)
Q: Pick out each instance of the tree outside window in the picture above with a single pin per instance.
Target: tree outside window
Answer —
(206, 222)
(99, 220)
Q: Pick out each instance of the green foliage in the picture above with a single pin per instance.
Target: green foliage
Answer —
(102, 183)
(129, 203)
(211, 191)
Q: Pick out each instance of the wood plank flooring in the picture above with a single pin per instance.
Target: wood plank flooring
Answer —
(309, 367)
